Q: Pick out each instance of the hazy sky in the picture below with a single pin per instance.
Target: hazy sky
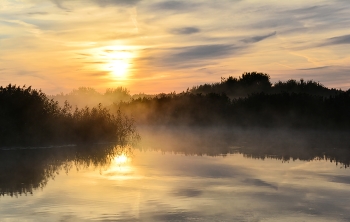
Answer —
(162, 46)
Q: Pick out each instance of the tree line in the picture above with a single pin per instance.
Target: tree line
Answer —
(29, 118)
(248, 101)
(254, 82)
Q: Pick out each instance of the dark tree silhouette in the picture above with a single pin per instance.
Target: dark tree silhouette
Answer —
(248, 101)
(29, 118)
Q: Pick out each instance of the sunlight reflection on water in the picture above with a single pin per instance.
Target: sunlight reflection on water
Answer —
(120, 169)
(150, 185)
(153, 186)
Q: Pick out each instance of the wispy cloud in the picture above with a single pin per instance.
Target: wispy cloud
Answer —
(102, 3)
(316, 68)
(37, 13)
(196, 56)
(174, 5)
(105, 3)
(204, 51)
(59, 4)
(339, 40)
(175, 39)
(185, 31)
(258, 38)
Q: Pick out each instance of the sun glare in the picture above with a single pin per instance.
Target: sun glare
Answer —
(121, 168)
(120, 68)
(121, 159)
(118, 61)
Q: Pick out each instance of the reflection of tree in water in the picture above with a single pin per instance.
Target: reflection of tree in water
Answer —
(22, 171)
(281, 144)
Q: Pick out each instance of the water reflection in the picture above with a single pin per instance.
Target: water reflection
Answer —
(280, 144)
(121, 167)
(151, 183)
(24, 170)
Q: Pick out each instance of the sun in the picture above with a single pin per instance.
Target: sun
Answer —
(120, 68)
(118, 61)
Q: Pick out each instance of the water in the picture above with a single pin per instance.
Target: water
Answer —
(172, 176)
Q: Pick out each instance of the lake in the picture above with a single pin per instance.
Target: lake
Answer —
(183, 174)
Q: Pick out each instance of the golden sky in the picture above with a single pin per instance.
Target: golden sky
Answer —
(154, 46)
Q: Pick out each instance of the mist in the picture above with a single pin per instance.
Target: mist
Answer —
(222, 146)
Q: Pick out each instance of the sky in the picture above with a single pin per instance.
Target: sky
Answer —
(154, 46)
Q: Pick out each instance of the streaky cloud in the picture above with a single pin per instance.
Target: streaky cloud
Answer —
(339, 40)
(104, 3)
(173, 6)
(199, 55)
(112, 51)
(185, 31)
(316, 68)
(101, 3)
(58, 3)
(205, 51)
(255, 39)
(37, 13)
(84, 54)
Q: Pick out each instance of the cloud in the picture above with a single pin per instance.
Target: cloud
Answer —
(339, 40)
(37, 13)
(100, 74)
(4, 36)
(316, 68)
(96, 62)
(58, 3)
(173, 6)
(258, 38)
(321, 13)
(193, 56)
(84, 54)
(204, 51)
(311, 17)
(281, 22)
(113, 51)
(104, 3)
(101, 3)
(185, 31)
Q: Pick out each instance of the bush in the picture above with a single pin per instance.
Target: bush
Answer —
(29, 118)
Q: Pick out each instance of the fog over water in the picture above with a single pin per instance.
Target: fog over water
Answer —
(284, 144)
(170, 110)
(183, 174)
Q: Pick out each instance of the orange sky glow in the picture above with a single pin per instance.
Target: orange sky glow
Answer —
(163, 46)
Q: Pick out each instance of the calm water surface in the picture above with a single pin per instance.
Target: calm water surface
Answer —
(159, 181)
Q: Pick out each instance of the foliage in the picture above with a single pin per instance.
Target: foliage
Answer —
(248, 101)
(248, 83)
(87, 96)
(254, 82)
(28, 117)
